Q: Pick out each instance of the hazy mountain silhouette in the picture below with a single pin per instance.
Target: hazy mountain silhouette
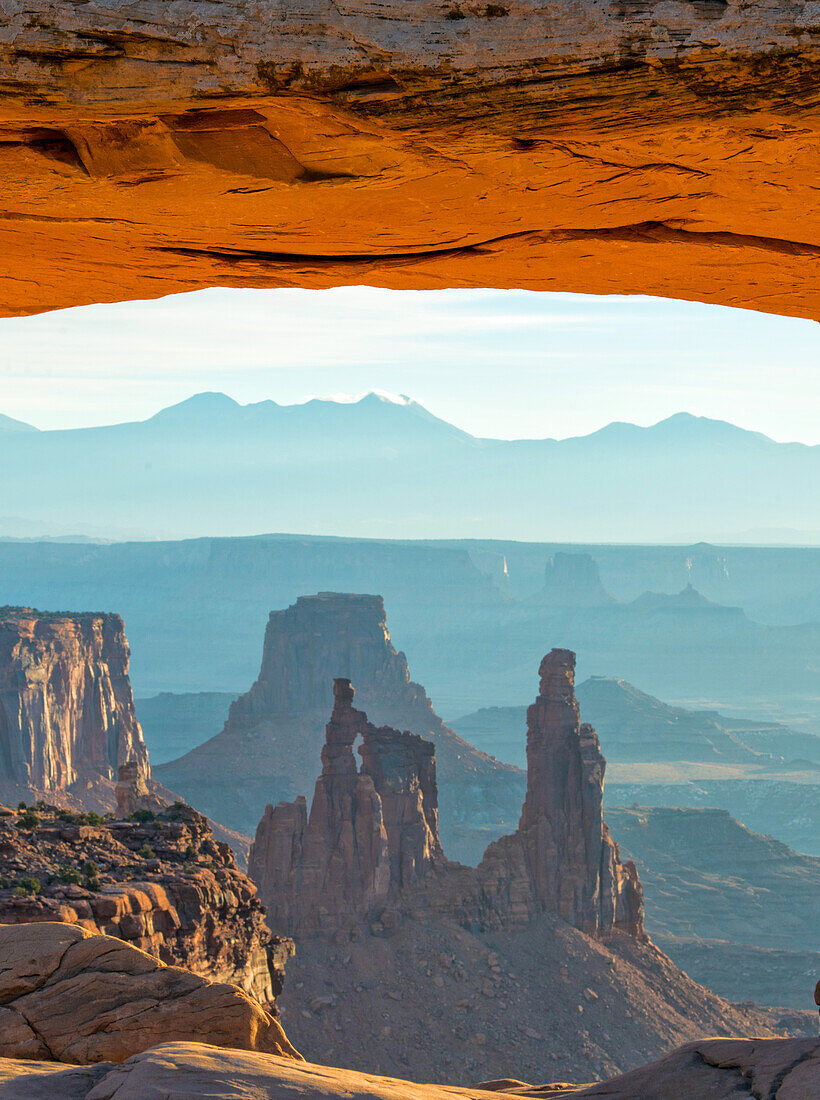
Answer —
(389, 468)
(9, 424)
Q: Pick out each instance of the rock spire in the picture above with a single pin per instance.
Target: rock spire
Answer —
(371, 833)
(573, 866)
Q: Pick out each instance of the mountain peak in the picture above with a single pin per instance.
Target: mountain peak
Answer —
(9, 424)
(199, 406)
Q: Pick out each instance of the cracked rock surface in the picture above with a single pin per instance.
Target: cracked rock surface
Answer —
(634, 146)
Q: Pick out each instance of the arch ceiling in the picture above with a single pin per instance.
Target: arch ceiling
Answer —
(604, 146)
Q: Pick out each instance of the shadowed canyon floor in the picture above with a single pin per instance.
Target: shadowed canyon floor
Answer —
(631, 147)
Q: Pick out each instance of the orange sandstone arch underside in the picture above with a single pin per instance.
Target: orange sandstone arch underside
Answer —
(155, 146)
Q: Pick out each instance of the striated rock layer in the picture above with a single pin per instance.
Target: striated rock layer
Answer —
(252, 762)
(66, 710)
(160, 882)
(67, 995)
(651, 147)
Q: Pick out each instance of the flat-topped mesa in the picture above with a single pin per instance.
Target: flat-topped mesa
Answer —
(66, 709)
(572, 864)
(251, 761)
(329, 630)
(371, 832)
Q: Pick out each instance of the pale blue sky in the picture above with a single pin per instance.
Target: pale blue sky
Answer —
(496, 363)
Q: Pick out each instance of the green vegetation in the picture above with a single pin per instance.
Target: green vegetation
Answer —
(147, 852)
(28, 885)
(70, 875)
(92, 875)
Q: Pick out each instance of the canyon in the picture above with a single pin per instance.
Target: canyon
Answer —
(463, 611)
(644, 147)
(232, 776)
(736, 910)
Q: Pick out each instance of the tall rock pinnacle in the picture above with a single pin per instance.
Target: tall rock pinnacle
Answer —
(371, 832)
(572, 864)
(372, 835)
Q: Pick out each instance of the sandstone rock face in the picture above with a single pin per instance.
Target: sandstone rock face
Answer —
(649, 147)
(780, 1069)
(371, 832)
(573, 580)
(251, 762)
(66, 709)
(562, 858)
(333, 870)
(132, 791)
(163, 884)
(67, 995)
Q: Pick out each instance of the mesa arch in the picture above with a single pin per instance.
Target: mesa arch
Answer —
(587, 145)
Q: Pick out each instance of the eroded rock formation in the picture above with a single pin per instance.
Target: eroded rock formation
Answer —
(160, 882)
(651, 147)
(66, 710)
(372, 836)
(251, 762)
(371, 833)
(562, 859)
(67, 995)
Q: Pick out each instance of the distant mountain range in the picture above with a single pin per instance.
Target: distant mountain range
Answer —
(385, 468)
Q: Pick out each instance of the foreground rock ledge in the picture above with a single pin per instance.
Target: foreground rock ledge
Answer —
(69, 996)
(665, 148)
(779, 1069)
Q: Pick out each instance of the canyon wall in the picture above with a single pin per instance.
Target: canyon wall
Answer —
(626, 147)
(66, 710)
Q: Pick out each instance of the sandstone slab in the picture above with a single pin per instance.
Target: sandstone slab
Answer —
(724, 1070)
(71, 996)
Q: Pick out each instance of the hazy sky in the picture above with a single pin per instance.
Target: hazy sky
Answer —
(496, 363)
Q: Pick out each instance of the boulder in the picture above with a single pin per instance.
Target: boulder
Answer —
(67, 995)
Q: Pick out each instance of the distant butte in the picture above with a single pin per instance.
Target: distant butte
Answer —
(605, 148)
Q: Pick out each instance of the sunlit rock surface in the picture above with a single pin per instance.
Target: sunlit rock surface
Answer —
(66, 710)
(160, 881)
(67, 995)
(632, 146)
(778, 1069)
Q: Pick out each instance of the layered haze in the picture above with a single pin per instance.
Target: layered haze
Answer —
(386, 467)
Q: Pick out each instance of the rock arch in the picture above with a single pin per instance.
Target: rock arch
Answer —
(603, 146)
